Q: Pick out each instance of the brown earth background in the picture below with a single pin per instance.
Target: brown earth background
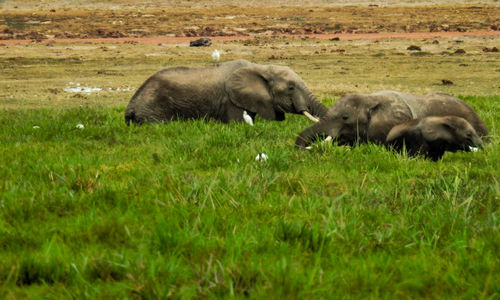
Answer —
(178, 21)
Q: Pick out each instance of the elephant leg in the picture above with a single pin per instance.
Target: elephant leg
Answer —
(144, 113)
(435, 154)
(235, 113)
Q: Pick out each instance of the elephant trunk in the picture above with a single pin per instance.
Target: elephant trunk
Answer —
(311, 134)
(305, 103)
(478, 142)
(316, 107)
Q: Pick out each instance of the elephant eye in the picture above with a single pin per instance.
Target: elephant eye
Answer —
(345, 117)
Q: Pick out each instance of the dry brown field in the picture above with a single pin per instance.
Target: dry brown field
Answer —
(46, 45)
(125, 21)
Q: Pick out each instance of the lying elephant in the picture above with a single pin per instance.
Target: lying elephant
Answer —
(432, 136)
(223, 92)
(358, 118)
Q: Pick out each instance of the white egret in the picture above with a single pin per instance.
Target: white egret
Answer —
(261, 157)
(247, 118)
(216, 55)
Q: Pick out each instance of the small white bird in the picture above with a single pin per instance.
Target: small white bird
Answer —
(80, 126)
(247, 118)
(473, 149)
(216, 55)
(261, 157)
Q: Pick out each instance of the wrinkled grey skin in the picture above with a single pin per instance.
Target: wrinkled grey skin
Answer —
(359, 118)
(222, 92)
(432, 136)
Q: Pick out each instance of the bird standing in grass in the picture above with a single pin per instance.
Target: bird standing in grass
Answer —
(247, 118)
(216, 55)
(261, 157)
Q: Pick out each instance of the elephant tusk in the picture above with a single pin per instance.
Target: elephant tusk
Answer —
(310, 117)
(327, 139)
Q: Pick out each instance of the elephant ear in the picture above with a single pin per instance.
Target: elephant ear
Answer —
(374, 108)
(248, 89)
(396, 133)
(378, 123)
(438, 131)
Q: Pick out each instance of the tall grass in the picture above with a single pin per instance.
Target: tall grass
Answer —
(184, 210)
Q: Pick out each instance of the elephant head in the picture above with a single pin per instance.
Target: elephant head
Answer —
(272, 91)
(432, 136)
(354, 118)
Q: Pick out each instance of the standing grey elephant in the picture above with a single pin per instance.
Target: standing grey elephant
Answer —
(358, 118)
(432, 136)
(223, 92)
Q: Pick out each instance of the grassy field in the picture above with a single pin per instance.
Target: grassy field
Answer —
(184, 210)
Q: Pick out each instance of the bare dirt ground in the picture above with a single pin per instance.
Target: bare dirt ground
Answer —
(122, 4)
(174, 24)
(50, 46)
(342, 36)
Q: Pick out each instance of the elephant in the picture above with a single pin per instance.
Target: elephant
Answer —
(360, 118)
(432, 136)
(223, 92)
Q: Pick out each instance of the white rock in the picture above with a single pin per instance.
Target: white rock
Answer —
(80, 126)
(247, 118)
(261, 157)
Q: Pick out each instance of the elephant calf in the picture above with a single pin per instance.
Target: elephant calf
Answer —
(432, 136)
(223, 92)
(358, 118)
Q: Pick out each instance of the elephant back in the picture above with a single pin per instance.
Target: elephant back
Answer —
(392, 110)
(181, 92)
(442, 104)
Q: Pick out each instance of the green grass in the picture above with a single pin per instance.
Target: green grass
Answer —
(183, 210)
